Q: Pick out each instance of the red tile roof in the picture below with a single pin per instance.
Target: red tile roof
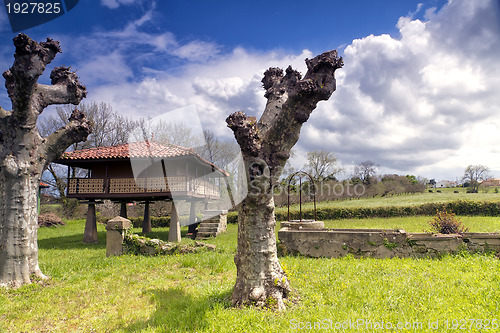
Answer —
(143, 149)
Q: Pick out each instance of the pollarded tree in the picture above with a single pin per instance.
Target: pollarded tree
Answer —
(265, 146)
(24, 153)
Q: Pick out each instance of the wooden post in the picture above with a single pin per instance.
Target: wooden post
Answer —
(67, 182)
(146, 224)
(174, 230)
(90, 233)
(123, 209)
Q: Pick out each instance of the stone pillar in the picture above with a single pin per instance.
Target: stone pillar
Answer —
(193, 224)
(174, 231)
(90, 233)
(115, 232)
(123, 209)
(146, 224)
(192, 213)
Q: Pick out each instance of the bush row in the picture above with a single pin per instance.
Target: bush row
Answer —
(156, 222)
(460, 207)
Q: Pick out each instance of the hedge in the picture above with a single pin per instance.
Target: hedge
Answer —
(460, 207)
(156, 222)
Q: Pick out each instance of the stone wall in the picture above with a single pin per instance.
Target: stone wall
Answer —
(381, 243)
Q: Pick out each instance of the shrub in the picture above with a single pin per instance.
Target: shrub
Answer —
(70, 207)
(232, 217)
(446, 222)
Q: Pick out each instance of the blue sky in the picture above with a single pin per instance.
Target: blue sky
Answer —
(418, 93)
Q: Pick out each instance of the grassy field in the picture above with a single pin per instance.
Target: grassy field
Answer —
(415, 223)
(446, 195)
(88, 292)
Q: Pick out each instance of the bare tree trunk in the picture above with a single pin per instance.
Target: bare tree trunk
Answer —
(266, 146)
(260, 279)
(24, 153)
(19, 255)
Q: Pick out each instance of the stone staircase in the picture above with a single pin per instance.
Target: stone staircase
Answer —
(214, 222)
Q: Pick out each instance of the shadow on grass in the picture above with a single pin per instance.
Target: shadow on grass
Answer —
(74, 241)
(177, 311)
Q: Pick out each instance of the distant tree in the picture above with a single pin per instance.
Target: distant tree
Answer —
(24, 154)
(321, 164)
(218, 152)
(432, 182)
(176, 133)
(365, 171)
(396, 184)
(473, 175)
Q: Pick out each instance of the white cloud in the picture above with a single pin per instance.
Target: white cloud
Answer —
(113, 4)
(421, 102)
(199, 51)
(225, 84)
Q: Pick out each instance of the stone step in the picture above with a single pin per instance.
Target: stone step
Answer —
(205, 235)
(203, 229)
(208, 224)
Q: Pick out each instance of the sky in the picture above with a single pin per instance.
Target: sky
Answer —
(419, 92)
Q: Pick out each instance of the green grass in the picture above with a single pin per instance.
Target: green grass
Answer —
(190, 293)
(447, 195)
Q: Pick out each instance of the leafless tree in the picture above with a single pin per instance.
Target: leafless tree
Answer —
(218, 152)
(265, 145)
(169, 132)
(321, 164)
(474, 175)
(108, 128)
(365, 171)
(24, 153)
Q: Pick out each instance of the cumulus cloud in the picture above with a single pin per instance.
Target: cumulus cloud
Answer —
(224, 85)
(423, 101)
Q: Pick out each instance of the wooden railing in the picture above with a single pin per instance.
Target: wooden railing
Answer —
(143, 186)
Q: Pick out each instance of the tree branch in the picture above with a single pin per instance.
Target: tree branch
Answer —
(76, 130)
(245, 132)
(30, 61)
(65, 89)
(291, 101)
